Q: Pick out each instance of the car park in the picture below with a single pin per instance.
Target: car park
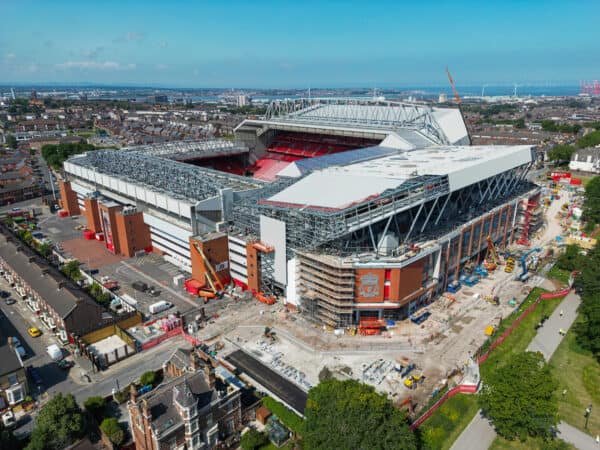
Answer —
(10, 301)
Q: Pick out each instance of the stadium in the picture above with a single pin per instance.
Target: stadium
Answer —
(353, 211)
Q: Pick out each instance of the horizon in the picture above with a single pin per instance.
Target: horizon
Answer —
(378, 44)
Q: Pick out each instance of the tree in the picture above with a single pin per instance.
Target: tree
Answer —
(520, 123)
(11, 141)
(561, 153)
(520, 398)
(59, 423)
(589, 140)
(45, 249)
(95, 406)
(71, 269)
(253, 439)
(349, 414)
(591, 204)
(570, 259)
(111, 427)
(55, 155)
(148, 378)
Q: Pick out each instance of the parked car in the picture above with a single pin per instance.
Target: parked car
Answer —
(65, 364)
(34, 332)
(35, 376)
(139, 286)
(21, 351)
(10, 301)
(4, 294)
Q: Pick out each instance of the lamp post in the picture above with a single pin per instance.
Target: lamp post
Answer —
(588, 411)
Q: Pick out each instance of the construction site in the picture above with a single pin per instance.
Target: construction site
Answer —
(373, 239)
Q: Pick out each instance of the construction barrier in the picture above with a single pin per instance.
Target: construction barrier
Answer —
(460, 389)
(556, 294)
(163, 337)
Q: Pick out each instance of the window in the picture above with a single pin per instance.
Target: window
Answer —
(15, 395)
(12, 379)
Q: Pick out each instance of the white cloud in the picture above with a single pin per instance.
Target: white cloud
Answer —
(10, 56)
(93, 53)
(163, 44)
(161, 67)
(94, 65)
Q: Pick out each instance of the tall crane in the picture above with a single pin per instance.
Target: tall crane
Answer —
(456, 97)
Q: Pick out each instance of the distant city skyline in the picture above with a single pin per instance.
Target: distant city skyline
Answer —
(271, 44)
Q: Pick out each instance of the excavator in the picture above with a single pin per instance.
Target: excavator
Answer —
(491, 258)
(216, 286)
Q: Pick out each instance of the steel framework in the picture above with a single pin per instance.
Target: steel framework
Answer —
(358, 113)
(176, 179)
(423, 200)
(182, 150)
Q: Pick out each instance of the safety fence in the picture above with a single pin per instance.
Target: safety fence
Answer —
(163, 337)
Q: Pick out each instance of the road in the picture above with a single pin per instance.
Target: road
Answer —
(282, 388)
(479, 434)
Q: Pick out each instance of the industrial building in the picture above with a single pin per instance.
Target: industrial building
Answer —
(350, 210)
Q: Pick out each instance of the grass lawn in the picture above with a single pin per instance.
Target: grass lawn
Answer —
(530, 444)
(519, 339)
(289, 418)
(585, 180)
(559, 274)
(444, 427)
(579, 373)
(271, 446)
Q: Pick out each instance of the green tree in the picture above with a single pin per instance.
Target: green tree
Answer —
(253, 439)
(11, 141)
(561, 153)
(520, 398)
(71, 269)
(59, 423)
(45, 249)
(571, 259)
(55, 155)
(589, 140)
(351, 415)
(591, 204)
(113, 430)
(95, 406)
(520, 123)
(148, 378)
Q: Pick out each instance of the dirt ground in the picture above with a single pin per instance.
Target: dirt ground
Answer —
(439, 347)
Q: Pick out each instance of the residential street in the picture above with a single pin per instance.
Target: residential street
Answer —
(479, 434)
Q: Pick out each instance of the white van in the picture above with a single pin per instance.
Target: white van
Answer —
(161, 306)
(54, 352)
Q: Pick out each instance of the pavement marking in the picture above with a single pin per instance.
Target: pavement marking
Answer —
(148, 277)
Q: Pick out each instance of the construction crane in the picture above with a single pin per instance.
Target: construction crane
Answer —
(492, 250)
(215, 283)
(456, 97)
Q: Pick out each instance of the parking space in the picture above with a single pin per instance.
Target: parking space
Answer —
(92, 254)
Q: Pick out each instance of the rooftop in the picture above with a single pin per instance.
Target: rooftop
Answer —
(340, 186)
(9, 358)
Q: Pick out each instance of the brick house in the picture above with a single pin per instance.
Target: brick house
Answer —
(63, 309)
(197, 406)
(13, 380)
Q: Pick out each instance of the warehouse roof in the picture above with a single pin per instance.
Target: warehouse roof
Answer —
(343, 185)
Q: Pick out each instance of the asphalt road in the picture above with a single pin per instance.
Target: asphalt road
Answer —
(282, 388)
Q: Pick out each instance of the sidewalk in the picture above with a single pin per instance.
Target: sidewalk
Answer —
(480, 434)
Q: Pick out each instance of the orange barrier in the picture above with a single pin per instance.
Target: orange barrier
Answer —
(556, 294)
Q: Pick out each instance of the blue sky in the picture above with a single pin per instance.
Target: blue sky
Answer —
(298, 43)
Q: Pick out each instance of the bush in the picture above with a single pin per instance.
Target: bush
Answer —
(113, 430)
(148, 378)
(288, 417)
(253, 439)
(95, 405)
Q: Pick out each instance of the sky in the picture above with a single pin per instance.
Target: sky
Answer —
(302, 43)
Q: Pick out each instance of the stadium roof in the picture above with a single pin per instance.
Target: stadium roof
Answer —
(186, 150)
(341, 186)
(434, 126)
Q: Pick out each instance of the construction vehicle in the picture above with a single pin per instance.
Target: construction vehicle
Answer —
(493, 299)
(491, 257)
(454, 286)
(216, 287)
(524, 274)
(454, 91)
(510, 264)
(489, 330)
(471, 281)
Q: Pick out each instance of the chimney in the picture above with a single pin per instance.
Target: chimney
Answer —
(132, 393)
(209, 374)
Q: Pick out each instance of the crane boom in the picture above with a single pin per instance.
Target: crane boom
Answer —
(456, 97)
